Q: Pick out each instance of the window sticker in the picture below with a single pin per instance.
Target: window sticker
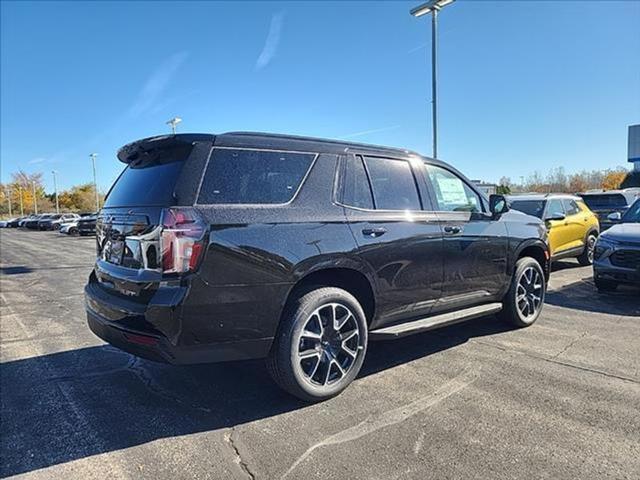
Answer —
(452, 191)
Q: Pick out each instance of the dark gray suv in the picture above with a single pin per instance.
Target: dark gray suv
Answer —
(617, 253)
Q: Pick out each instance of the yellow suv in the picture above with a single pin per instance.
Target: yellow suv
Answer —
(573, 228)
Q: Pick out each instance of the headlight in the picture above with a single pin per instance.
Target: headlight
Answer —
(604, 245)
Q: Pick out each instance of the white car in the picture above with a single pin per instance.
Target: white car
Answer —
(65, 218)
(69, 228)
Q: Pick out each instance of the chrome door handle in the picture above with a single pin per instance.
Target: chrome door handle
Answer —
(453, 229)
(374, 232)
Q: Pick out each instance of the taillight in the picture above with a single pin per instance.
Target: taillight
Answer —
(182, 240)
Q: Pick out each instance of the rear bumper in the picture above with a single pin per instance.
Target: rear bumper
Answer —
(116, 321)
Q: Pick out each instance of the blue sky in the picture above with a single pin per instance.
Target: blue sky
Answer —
(523, 85)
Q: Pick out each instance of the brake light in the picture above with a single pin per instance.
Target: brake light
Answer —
(182, 240)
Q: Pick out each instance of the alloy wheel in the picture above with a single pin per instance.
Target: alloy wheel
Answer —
(529, 292)
(328, 344)
(591, 248)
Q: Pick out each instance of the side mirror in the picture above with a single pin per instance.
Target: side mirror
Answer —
(498, 205)
(614, 217)
(557, 216)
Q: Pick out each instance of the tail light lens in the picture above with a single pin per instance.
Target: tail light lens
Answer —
(182, 240)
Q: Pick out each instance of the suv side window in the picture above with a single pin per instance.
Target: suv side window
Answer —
(570, 206)
(356, 188)
(393, 184)
(554, 207)
(236, 176)
(451, 192)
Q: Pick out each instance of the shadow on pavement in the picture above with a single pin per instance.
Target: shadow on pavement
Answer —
(584, 296)
(70, 405)
(15, 270)
(560, 265)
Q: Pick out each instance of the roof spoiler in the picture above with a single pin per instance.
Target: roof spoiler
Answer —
(151, 148)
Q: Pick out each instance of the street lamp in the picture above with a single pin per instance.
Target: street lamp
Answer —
(95, 182)
(55, 187)
(21, 203)
(8, 192)
(173, 123)
(433, 7)
(35, 200)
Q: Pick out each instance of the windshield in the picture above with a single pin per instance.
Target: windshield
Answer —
(530, 207)
(633, 214)
(595, 202)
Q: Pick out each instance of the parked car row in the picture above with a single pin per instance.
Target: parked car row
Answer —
(574, 230)
(66, 223)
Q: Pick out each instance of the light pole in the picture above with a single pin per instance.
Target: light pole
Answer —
(433, 7)
(173, 123)
(95, 182)
(8, 192)
(21, 203)
(35, 200)
(55, 187)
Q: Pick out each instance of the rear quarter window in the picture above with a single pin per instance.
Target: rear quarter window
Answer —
(236, 176)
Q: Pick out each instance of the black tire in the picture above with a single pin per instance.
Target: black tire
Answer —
(73, 232)
(512, 309)
(586, 257)
(56, 226)
(303, 377)
(605, 285)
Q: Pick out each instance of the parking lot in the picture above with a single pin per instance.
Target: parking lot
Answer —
(477, 400)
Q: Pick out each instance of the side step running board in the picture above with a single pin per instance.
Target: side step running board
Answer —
(429, 323)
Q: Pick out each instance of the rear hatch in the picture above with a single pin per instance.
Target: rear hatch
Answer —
(146, 227)
(606, 203)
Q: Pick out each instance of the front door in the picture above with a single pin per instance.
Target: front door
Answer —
(576, 224)
(400, 241)
(475, 244)
(559, 233)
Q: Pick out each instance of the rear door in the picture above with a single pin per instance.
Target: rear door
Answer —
(388, 211)
(559, 233)
(576, 224)
(475, 243)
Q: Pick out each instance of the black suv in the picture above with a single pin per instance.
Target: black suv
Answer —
(246, 245)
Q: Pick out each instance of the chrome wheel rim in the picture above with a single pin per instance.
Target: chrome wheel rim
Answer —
(529, 292)
(328, 345)
(591, 247)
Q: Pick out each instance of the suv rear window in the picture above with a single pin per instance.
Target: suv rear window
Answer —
(253, 176)
(604, 201)
(146, 185)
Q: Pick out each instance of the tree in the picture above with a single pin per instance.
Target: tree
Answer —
(613, 179)
(79, 198)
(22, 185)
(579, 182)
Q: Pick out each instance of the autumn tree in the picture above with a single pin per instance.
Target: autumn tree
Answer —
(613, 179)
(80, 198)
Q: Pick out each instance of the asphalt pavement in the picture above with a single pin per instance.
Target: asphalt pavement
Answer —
(558, 400)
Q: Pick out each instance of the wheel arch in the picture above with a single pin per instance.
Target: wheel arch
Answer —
(536, 249)
(347, 275)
